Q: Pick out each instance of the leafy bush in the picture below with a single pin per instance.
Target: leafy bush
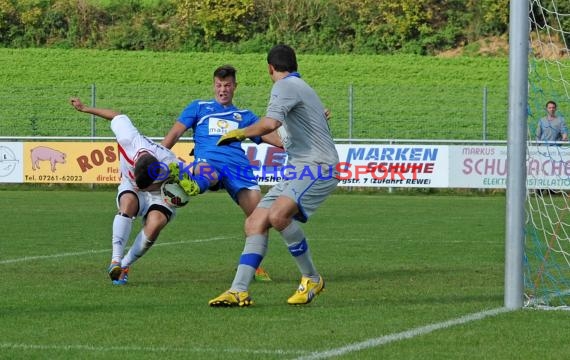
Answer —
(315, 26)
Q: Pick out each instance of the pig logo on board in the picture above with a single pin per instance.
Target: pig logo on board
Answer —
(43, 153)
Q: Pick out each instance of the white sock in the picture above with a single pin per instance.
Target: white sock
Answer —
(139, 248)
(121, 231)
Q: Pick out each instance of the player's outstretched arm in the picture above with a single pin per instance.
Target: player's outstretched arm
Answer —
(104, 113)
(272, 139)
(260, 128)
(173, 135)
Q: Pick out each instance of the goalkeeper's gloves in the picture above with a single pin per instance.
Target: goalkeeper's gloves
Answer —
(231, 136)
(189, 185)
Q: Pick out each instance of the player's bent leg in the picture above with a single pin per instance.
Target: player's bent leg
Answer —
(247, 200)
(207, 171)
(154, 222)
(128, 204)
(281, 212)
(257, 222)
(231, 298)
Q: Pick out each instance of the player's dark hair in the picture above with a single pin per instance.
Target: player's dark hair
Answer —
(282, 58)
(143, 178)
(551, 102)
(225, 71)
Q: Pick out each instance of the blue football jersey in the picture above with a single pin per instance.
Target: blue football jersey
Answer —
(209, 121)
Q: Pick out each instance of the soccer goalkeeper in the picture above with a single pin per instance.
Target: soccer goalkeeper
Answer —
(295, 107)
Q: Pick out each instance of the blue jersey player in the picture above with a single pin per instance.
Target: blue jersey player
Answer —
(222, 166)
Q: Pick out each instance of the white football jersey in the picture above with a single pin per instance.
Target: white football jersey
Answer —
(131, 144)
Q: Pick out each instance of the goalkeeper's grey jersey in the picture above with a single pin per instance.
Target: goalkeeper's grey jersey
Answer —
(306, 136)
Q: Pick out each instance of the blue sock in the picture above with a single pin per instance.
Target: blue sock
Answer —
(203, 182)
(253, 252)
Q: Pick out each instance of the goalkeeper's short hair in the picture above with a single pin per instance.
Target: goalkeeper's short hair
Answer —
(143, 177)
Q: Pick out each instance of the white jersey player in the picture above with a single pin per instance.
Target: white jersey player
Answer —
(144, 166)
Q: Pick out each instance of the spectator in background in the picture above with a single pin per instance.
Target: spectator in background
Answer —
(552, 127)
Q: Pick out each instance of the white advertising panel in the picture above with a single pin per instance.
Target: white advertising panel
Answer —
(487, 167)
(11, 162)
(360, 165)
(393, 165)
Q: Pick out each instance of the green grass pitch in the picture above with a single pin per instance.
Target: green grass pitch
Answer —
(393, 264)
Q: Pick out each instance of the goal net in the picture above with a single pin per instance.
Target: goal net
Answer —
(547, 240)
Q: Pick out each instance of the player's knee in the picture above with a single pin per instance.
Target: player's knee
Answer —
(128, 203)
(255, 225)
(278, 220)
(250, 225)
(127, 215)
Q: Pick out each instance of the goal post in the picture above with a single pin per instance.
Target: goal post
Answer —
(516, 152)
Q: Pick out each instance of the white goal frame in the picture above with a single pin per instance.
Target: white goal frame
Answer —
(516, 152)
